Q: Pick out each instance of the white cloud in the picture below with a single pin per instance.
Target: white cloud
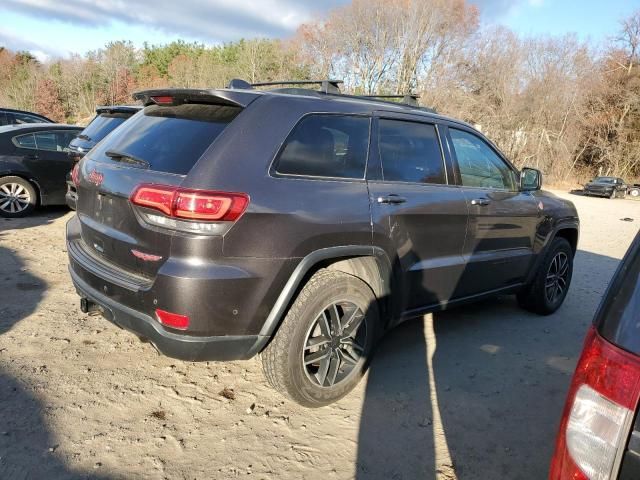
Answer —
(208, 20)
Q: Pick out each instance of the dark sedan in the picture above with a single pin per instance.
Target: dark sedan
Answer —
(610, 187)
(34, 161)
(106, 120)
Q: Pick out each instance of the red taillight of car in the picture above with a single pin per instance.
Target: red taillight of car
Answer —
(187, 204)
(75, 174)
(600, 406)
(172, 320)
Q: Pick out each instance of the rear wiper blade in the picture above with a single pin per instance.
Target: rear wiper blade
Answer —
(126, 158)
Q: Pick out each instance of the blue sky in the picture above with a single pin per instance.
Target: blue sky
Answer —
(58, 28)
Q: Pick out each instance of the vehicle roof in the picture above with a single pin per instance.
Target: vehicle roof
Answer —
(13, 110)
(27, 127)
(242, 97)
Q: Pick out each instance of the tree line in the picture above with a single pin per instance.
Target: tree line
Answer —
(568, 107)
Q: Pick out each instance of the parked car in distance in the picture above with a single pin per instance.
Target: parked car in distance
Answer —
(107, 119)
(599, 434)
(33, 166)
(299, 224)
(610, 187)
(9, 116)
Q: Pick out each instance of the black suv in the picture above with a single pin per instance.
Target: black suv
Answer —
(107, 119)
(301, 224)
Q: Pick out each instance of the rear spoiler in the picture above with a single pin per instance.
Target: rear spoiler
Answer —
(118, 109)
(179, 96)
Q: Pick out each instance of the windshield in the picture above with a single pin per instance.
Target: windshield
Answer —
(166, 138)
(103, 125)
(605, 180)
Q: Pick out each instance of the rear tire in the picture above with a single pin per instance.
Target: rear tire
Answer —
(314, 359)
(18, 198)
(634, 192)
(547, 291)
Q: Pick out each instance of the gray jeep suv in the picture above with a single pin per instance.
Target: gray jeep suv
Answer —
(301, 224)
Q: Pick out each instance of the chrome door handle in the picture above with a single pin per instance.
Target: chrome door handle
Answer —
(481, 202)
(391, 199)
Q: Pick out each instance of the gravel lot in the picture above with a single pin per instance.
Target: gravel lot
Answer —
(473, 393)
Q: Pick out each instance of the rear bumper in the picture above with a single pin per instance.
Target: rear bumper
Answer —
(227, 300)
(182, 347)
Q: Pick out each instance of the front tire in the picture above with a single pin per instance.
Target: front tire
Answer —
(17, 197)
(551, 282)
(324, 344)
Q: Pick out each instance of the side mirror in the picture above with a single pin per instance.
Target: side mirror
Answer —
(530, 179)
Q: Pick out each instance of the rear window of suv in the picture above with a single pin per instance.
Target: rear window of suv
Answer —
(167, 138)
(103, 124)
(326, 145)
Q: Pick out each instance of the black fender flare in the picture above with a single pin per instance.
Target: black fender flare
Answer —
(572, 224)
(308, 263)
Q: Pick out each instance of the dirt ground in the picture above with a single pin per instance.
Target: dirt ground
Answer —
(473, 393)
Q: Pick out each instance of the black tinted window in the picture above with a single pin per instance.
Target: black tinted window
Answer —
(25, 141)
(326, 146)
(103, 125)
(20, 118)
(167, 138)
(56, 141)
(410, 152)
(479, 165)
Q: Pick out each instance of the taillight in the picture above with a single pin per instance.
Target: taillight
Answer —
(75, 174)
(173, 320)
(199, 207)
(600, 406)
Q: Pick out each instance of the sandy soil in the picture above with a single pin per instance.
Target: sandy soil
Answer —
(473, 393)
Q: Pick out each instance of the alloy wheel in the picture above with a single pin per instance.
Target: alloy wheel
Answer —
(557, 275)
(334, 344)
(14, 198)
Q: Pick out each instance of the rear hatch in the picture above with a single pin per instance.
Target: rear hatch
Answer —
(158, 146)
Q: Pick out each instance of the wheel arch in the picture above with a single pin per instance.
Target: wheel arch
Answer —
(370, 264)
(29, 179)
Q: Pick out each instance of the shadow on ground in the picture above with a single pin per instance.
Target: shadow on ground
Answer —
(41, 216)
(476, 392)
(27, 446)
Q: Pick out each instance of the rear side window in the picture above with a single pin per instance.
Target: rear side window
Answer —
(167, 138)
(25, 141)
(326, 146)
(410, 152)
(103, 125)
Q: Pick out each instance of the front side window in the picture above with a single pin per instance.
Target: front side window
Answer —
(410, 152)
(326, 146)
(479, 165)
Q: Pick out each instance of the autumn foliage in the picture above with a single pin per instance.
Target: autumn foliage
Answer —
(568, 107)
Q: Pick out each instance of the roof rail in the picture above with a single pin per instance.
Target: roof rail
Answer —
(326, 86)
(410, 99)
